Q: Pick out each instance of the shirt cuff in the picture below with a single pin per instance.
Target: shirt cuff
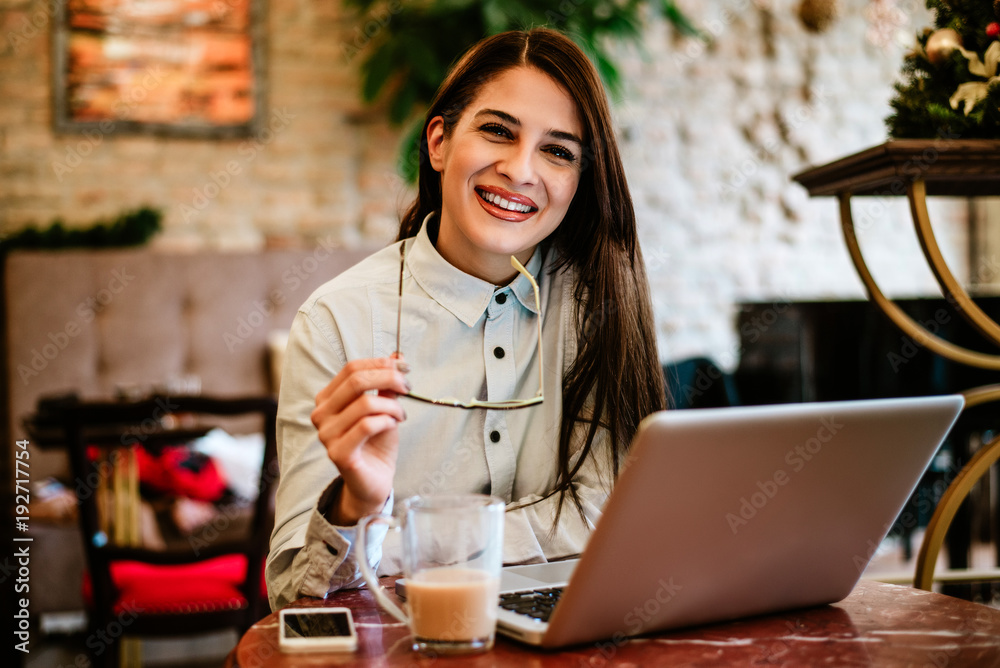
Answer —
(331, 561)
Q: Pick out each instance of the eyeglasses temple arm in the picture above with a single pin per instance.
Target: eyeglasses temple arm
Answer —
(538, 306)
(399, 305)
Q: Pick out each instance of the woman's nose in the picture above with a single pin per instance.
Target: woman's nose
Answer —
(518, 165)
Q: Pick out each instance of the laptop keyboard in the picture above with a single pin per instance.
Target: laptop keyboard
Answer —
(536, 603)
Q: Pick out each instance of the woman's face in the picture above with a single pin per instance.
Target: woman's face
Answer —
(509, 171)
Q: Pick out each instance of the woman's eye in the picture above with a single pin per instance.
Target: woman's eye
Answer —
(495, 129)
(561, 153)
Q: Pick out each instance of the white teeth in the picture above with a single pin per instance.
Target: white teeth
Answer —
(496, 200)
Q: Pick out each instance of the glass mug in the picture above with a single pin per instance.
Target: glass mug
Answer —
(452, 555)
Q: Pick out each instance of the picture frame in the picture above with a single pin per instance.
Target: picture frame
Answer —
(170, 68)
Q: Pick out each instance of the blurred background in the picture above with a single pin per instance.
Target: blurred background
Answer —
(211, 162)
(711, 129)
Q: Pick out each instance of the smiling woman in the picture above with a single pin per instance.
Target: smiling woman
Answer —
(508, 171)
(522, 238)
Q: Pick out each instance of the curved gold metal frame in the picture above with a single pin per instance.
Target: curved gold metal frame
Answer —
(953, 290)
(952, 498)
(989, 454)
(909, 326)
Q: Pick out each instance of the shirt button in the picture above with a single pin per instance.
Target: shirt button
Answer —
(495, 436)
(498, 352)
(502, 298)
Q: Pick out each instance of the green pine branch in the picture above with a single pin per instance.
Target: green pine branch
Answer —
(921, 105)
(132, 228)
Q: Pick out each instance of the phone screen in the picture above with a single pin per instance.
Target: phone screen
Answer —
(317, 625)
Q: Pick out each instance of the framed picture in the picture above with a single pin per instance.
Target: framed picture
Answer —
(186, 68)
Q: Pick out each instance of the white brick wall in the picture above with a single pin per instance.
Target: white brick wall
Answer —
(711, 137)
(709, 144)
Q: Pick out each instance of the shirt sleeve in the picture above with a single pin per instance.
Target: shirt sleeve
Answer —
(309, 556)
(529, 534)
(326, 561)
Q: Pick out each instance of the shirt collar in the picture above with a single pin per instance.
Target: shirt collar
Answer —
(465, 296)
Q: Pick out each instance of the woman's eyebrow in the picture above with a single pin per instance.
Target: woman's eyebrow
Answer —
(504, 116)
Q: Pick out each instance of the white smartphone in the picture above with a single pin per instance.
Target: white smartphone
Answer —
(316, 630)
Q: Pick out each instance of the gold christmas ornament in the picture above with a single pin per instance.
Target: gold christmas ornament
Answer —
(817, 15)
(940, 45)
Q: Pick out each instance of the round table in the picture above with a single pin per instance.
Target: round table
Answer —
(876, 625)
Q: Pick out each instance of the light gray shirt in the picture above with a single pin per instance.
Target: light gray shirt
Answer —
(462, 337)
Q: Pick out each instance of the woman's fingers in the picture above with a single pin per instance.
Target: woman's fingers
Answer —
(363, 435)
(335, 425)
(362, 445)
(364, 374)
(354, 380)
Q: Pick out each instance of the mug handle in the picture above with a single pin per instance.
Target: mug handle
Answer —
(366, 570)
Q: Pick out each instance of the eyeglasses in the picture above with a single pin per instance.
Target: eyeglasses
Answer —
(510, 404)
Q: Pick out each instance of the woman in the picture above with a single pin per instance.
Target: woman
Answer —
(518, 160)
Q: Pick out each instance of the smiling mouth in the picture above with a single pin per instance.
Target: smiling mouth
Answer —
(502, 203)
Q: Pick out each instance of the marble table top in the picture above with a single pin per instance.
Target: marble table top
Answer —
(876, 625)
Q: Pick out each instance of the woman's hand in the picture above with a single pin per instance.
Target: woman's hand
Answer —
(359, 429)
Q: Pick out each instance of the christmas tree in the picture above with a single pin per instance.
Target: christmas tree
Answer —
(951, 81)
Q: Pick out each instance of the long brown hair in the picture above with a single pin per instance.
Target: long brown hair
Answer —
(615, 380)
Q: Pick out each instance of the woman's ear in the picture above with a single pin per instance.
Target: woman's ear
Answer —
(435, 143)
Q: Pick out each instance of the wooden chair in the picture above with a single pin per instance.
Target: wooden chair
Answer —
(141, 592)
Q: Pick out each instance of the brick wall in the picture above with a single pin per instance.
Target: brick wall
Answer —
(710, 138)
(318, 168)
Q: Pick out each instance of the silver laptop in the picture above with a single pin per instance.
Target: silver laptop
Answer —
(726, 513)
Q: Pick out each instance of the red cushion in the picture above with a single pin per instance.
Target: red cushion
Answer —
(180, 471)
(207, 586)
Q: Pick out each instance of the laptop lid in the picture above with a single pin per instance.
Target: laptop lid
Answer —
(726, 513)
